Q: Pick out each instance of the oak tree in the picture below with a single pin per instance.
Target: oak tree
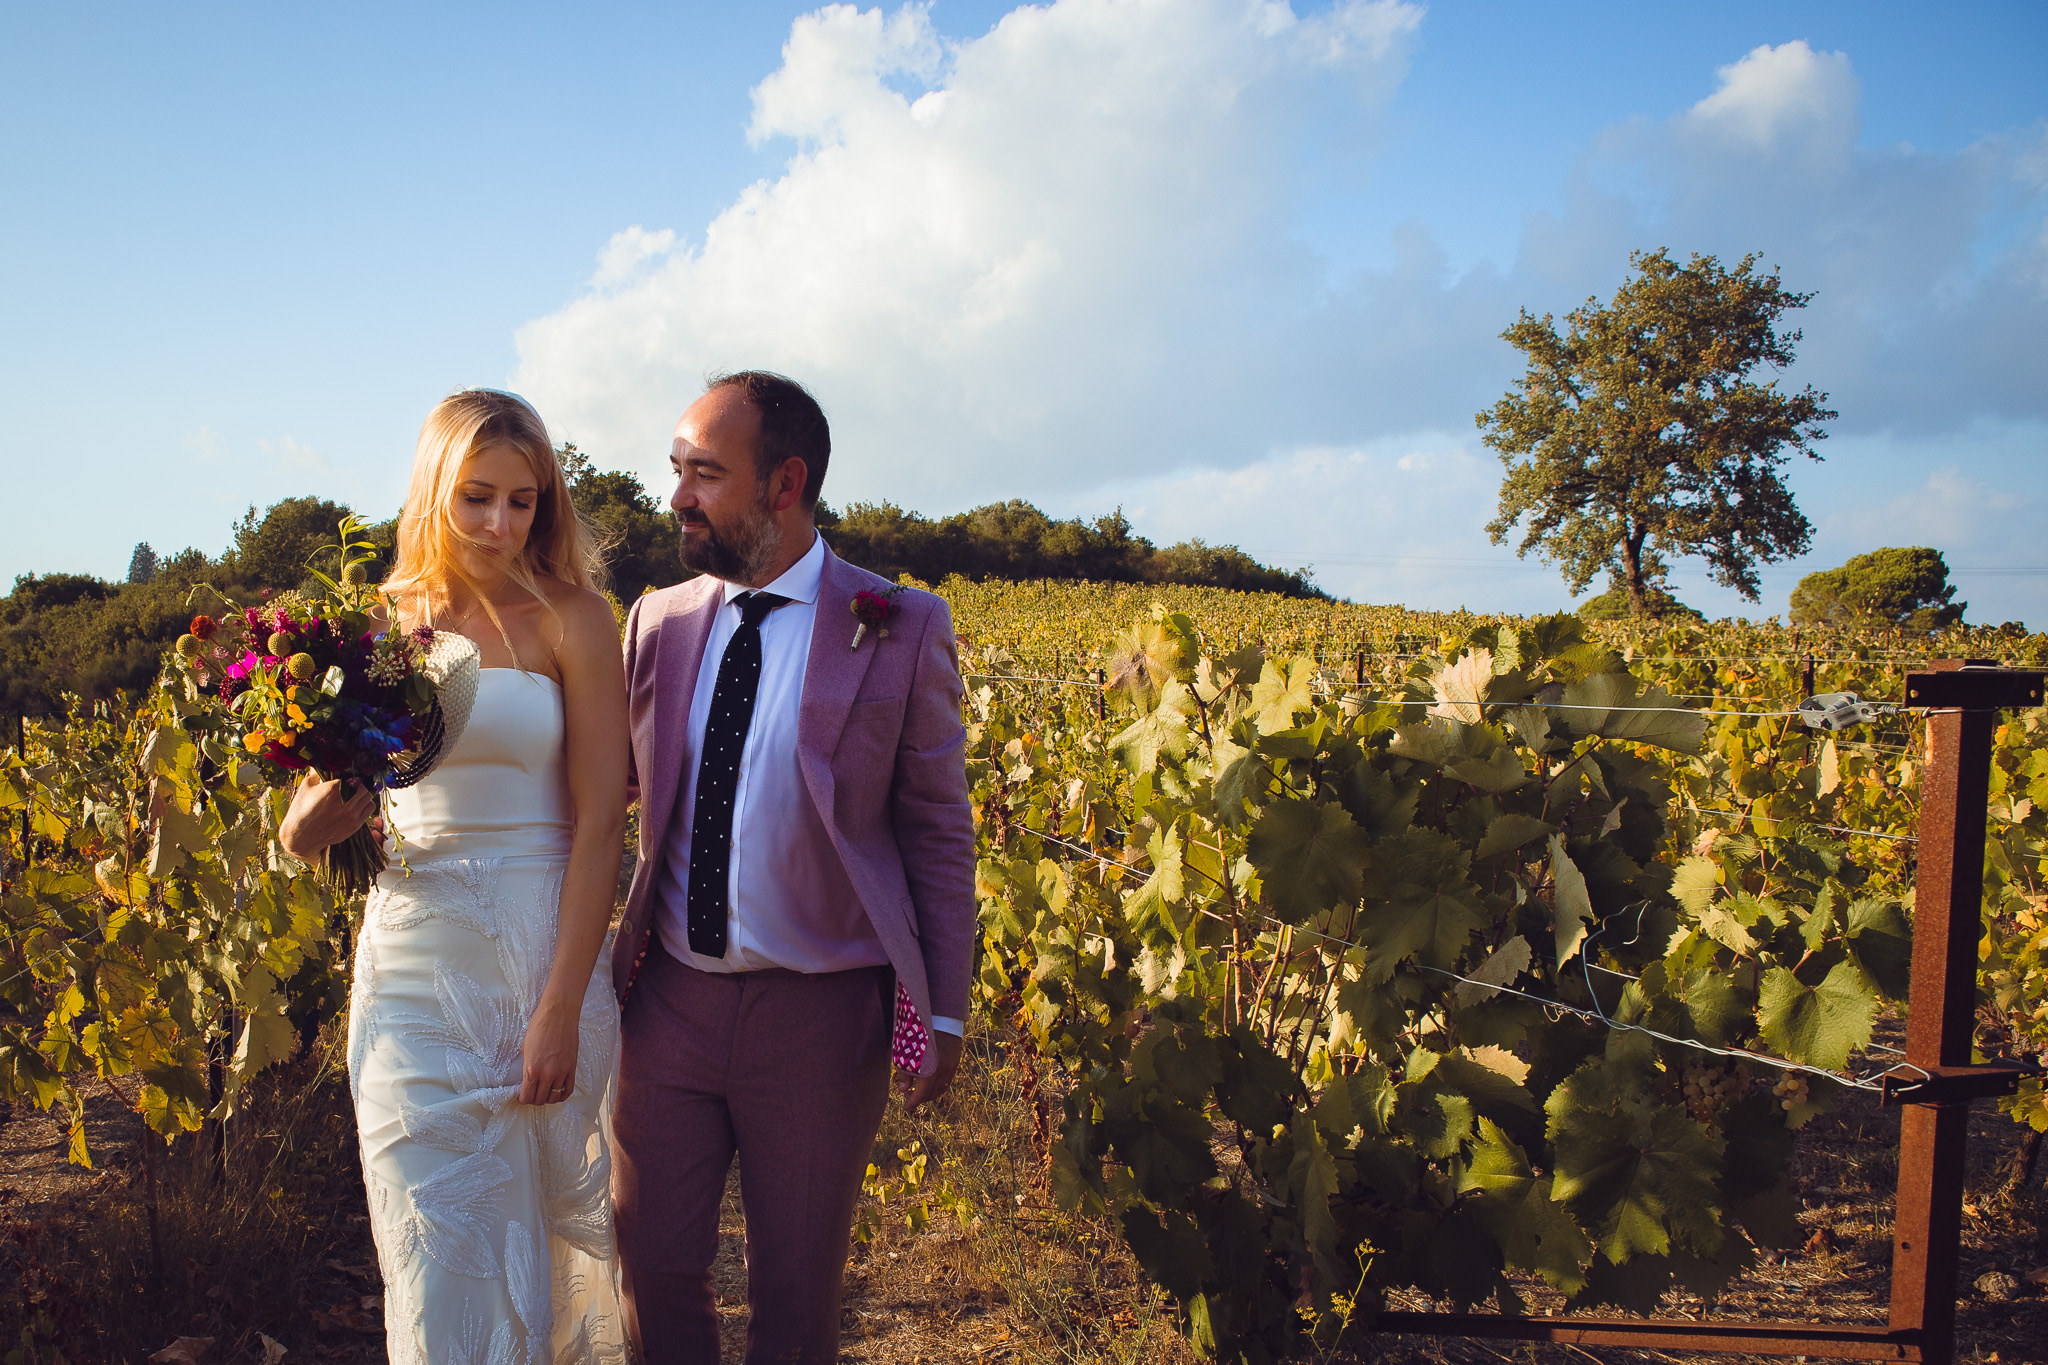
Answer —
(1640, 433)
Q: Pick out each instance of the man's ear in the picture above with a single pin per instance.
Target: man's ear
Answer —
(786, 485)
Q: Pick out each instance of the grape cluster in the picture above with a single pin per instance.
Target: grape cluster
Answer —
(1709, 1089)
(1790, 1090)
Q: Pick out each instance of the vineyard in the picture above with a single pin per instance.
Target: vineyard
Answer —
(1337, 952)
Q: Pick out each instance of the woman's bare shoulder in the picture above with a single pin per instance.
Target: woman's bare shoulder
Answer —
(586, 616)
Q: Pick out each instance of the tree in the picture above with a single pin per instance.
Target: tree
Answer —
(1639, 433)
(1614, 605)
(142, 564)
(638, 538)
(1892, 587)
(275, 551)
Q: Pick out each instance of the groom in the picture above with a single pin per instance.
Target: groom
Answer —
(806, 848)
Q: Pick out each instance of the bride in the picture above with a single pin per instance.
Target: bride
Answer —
(483, 1031)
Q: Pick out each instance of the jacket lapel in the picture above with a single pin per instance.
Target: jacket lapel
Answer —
(684, 633)
(832, 676)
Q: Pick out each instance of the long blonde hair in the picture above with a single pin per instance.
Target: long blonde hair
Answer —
(426, 567)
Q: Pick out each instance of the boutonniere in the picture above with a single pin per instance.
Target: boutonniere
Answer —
(873, 609)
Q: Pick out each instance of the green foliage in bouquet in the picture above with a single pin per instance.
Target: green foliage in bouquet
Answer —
(1355, 992)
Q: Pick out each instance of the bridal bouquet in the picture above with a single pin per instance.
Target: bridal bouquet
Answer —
(312, 683)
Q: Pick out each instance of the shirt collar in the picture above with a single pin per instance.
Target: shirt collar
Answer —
(799, 582)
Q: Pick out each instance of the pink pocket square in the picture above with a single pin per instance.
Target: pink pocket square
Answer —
(912, 1041)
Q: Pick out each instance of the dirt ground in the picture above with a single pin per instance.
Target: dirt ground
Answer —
(931, 1298)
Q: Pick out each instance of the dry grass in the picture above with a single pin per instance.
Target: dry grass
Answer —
(265, 1244)
(281, 1246)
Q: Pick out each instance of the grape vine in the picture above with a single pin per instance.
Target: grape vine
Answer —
(1415, 976)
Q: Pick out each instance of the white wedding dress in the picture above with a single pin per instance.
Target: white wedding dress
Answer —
(492, 1218)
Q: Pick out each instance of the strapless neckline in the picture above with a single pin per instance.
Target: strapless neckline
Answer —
(525, 673)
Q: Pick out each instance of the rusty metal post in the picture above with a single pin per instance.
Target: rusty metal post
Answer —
(1948, 902)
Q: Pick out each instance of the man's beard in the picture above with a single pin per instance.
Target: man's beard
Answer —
(738, 555)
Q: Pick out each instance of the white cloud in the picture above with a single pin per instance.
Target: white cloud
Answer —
(1059, 247)
(1779, 92)
(296, 456)
(627, 252)
(203, 444)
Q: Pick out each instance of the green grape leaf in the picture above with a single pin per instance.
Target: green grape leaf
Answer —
(1501, 967)
(1423, 905)
(1160, 731)
(1535, 1232)
(266, 1033)
(1166, 1146)
(1881, 940)
(1466, 1259)
(1258, 1089)
(1507, 833)
(1368, 794)
(1284, 689)
(1156, 910)
(1759, 1150)
(1240, 778)
(1170, 1248)
(1610, 705)
(1309, 857)
(1497, 772)
(1695, 884)
(1183, 1062)
(1817, 1025)
(1639, 1174)
(1574, 907)
(1312, 1181)
(1073, 1186)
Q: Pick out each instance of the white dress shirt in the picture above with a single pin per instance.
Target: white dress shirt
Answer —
(782, 853)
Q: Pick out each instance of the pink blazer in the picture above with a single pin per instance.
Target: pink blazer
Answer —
(882, 750)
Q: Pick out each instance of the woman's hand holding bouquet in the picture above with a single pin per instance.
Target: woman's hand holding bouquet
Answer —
(321, 686)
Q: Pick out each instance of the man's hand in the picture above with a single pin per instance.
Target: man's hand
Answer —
(323, 814)
(916, 1090)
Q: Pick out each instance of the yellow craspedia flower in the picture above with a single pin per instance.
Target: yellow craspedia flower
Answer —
(301, 666)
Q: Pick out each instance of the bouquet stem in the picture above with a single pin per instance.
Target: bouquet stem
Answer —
(352, 865)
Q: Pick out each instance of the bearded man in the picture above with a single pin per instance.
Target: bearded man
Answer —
(803, 906)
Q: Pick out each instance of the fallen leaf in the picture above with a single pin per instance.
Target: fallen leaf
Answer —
(183, 1351)
(273, 1351)
(1822, 1240)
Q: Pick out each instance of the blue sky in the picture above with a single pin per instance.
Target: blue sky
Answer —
(1239, 268)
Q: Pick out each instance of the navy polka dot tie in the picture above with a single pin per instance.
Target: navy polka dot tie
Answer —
(718, 775)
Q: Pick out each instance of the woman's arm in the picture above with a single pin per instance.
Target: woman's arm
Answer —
(594, 711)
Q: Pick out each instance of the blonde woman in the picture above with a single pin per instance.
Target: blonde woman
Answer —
(483, 1032)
